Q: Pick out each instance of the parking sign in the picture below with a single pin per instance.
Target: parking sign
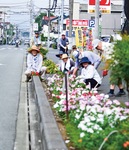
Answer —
(91, 23)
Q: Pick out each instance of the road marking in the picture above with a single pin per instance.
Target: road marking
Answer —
(2, 64)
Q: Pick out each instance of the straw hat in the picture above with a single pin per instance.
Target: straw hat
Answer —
(64, 56)
(33, 48)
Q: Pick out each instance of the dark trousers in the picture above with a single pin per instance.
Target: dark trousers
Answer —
(92, 82)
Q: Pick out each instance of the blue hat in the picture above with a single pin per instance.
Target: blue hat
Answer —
(84, 60)
(60, 53)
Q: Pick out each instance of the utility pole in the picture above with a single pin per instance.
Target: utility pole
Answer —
(70, 22)
(62, 16)
(49, 23)
(97, 19)
(31, 17)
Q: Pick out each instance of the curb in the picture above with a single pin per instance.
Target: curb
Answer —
(51, 136)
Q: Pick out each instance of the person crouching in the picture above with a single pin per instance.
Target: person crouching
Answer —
(89, 74)
(34, 63)
(67, 64)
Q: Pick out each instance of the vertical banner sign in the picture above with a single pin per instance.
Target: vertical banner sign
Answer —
(35, 26)
(79, 38)
(105, 6)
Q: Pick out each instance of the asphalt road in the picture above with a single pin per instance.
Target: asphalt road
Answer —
(105, 86)
(11, 65)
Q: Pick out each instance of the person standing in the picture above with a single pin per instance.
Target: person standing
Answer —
(106, 49)
(36, 40)
(63, 44)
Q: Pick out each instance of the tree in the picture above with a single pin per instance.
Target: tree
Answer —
(39, 20)
(119, 64)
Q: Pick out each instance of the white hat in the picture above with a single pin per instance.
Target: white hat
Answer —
(95, 43)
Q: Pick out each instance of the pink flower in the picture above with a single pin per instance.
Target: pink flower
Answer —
(127, 104)
(116, 102)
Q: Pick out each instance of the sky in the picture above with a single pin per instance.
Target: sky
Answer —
(23, 21)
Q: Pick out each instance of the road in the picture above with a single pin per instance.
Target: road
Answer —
(11, 65)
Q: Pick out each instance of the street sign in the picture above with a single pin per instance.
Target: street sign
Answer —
(91, 23)
(77, 23)
(35, 26)
(105, 6)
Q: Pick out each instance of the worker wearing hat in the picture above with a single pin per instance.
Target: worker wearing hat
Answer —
(63, 43)
(89, 74)
(34, 63)
(67, 64)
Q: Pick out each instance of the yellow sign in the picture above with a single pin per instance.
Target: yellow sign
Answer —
(79, 37)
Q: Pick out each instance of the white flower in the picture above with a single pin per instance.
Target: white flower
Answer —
(82, 135)
(82, 107)
(123, 117)
(92, 118)
(56, 105)
(88, 107)
(106, 96)
(90, 130)
(96, 127)
(77, 116)
(82, 126)
(86, 119)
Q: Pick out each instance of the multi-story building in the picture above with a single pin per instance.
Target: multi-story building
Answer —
(110, 23)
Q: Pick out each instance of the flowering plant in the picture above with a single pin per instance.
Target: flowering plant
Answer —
(92, 116)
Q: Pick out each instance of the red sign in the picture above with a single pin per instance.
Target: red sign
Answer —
(78, 23)
(102, 2)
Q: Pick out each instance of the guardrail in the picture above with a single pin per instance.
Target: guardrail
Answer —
(51, 136)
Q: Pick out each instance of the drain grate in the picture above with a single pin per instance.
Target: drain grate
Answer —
(28, 114)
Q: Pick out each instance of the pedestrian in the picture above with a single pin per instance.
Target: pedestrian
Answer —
(34, 63)
(106, 50)
(77, 54)
(36, 40)
(63, 44)
(67, 64)
(89, 74)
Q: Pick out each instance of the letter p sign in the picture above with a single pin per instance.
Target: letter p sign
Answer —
(91, 23)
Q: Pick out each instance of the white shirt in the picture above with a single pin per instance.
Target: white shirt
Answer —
(89, 73)
(34, 63)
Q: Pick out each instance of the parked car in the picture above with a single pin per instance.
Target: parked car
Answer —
(106, 38)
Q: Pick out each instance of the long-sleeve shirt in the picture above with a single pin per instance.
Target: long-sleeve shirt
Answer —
(34, 63)
(90, 73)
(93, 58)
(63, 43)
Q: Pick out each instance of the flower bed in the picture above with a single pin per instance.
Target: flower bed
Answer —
(95, 122)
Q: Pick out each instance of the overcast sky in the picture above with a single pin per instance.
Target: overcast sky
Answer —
(22, 5)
